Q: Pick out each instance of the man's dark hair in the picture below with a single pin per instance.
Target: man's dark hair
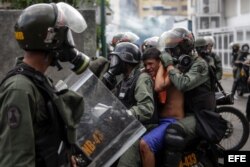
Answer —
(151, 53)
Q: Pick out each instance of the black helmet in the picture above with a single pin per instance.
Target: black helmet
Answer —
(45, 27)
(127, 52)
(245, 48)
(149, 43)
(180, 39)
(124, 37)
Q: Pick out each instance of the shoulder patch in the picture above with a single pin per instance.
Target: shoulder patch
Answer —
(14, 117)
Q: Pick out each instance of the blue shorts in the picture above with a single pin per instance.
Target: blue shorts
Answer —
(155, 138)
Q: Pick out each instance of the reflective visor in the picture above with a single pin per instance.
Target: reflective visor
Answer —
(114, 60)
(168, 39)
(70, 17)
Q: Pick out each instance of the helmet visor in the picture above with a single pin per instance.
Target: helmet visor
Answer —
(132, 37)
(168, 40)
(114, 60)
(70, 17)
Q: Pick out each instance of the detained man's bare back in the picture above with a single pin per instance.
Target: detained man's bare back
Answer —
(174, 104)
(171, 110)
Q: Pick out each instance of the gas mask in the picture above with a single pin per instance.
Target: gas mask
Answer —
(116, 68)
(68, 53)
(182, 61)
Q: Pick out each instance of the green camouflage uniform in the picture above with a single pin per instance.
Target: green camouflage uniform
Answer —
(197, 75)
(25, 119)
(143, 110)
(19, 99)
(218, 65)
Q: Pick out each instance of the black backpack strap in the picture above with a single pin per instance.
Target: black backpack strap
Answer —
(35, 76)
(214, 79)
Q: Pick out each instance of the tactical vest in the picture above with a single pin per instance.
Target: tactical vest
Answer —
(126, 94)
(47, 143)
(126, 90)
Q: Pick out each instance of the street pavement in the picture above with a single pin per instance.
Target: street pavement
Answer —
(239, 103)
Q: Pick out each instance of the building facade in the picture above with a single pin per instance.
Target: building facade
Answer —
(226, 20)
(162, 7)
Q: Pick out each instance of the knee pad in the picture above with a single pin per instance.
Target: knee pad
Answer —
(175, 138)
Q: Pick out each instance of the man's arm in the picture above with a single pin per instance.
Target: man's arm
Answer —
(16, 130)
(197, 75)
(218, 65)
(162, 80)
(144, 108)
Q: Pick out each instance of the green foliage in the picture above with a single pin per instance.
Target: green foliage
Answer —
(98, 3)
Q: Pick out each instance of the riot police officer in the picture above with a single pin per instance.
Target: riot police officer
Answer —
(201, 48)
(239, 62)
(235, 51)
(135, 91)
(214, 56)
(38, 122)
(178, 43)
(100, 65)
(124, 37)
(149, 43)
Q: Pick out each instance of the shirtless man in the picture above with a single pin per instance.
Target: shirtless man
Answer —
(171, 110)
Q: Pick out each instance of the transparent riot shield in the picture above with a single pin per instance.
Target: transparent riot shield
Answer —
(106, 131)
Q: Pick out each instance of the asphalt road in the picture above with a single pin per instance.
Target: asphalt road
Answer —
(239, 103)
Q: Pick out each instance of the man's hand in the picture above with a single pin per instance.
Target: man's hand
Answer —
(166, 59)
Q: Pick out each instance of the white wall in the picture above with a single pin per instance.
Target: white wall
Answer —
(243, 20)
(237, 12)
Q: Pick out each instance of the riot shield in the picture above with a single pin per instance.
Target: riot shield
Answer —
(105, 131)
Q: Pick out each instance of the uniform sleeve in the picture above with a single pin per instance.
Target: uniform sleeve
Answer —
(16, 130)
(144, 108)
(197, 75)
(218, 65)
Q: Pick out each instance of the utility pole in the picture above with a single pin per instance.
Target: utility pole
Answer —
(103, 24)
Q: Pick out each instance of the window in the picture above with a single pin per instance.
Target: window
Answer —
(220, 42)
(231, 38)
(174, 9)
(215, 22)
(248, 35)
(183, 7)
(226, 62)
(225, 42)
(145, 8)
(204, 23)
(239, 36)
(245, 6)
(215, 42)
(205, 2)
